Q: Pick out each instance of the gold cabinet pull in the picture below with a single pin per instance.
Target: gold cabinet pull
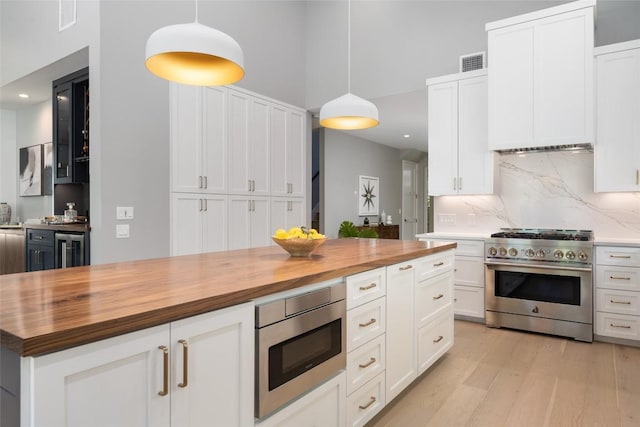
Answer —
(369, 363)
(619, 278)
(370, 322)
(620, 302)
(438, 264)
(437, 340)
(185, 364)
(406, 268)
(165, 370)
(613, 325)
(371, 402)
(438, 296)
(366, 288)
(620, 256)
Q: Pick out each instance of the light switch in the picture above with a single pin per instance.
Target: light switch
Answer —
(122, 231)
(124, 212)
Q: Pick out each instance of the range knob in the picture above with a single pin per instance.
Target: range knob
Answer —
(558, 254)
(583, 256)
(529, 252)
(570, 255)
(503, 252)
(493, 251)
(513, 252)
(540, 253)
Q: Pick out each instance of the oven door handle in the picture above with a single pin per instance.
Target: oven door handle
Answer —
(541, 266)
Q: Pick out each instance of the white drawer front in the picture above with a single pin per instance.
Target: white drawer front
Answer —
(618, 325)
(433, 265)
(615, 301)
(434, 339)
(365, 287)
(469, 271)
(365, 362)
(365, 322)
(612, 255)
(468, 301)
(432, 296)
(470, 248)
(366, 402)
(618, 277)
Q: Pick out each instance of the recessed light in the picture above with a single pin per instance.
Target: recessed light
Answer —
(406, 135)
(23, 95)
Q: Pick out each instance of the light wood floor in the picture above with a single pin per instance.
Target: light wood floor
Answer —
(499, 377)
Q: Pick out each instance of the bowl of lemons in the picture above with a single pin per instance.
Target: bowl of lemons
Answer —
(299, 241)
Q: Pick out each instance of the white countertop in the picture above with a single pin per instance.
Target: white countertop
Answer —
(616, 241)
(454, 236)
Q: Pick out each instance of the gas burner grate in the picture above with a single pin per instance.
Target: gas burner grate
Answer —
(575, 235)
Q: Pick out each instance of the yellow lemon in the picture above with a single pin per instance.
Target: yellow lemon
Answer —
(280, 234)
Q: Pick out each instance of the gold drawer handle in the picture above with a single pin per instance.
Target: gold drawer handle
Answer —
(437, 340)
(165, 371)
(438, 264)
(371, 402)
(370, 322)
(620, 302)
(366, 288)
(620, 256)
(408, 267)
(185, 364)
(619, 278)
(613, 325)
(438, 297)
(369, 363)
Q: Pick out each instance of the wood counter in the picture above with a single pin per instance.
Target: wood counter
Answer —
(47, 311)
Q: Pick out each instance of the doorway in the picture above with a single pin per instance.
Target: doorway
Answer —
(409, 200)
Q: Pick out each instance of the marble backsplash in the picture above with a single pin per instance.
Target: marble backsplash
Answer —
(542, 190)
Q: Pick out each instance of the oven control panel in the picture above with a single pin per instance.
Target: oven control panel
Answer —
(539, 250)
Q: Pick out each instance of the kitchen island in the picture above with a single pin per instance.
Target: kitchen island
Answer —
(59, 312)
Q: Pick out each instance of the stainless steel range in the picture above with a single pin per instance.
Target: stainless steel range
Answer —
(540, 281)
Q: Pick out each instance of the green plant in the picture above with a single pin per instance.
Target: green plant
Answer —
(348, 229)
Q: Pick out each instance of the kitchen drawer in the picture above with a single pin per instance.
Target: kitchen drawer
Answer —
(616, 301)
(617, 277)
(612, 255)
(468, 301)
(41, 237)
(618, 325)
(433, 265)
(365, 287)
(365, 362)
(366, 402)
(434, 339)
(365, 323)
(469, 271)
(433, 296)
(473, 248)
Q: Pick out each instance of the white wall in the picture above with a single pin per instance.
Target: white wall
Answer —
(8, 160)
(346, 157)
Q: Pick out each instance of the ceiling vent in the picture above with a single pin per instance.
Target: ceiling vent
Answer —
(473, 61)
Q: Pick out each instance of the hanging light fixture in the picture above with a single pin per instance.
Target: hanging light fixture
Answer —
(194, 54)
(349, 112)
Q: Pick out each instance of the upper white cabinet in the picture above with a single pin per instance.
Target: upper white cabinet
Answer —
(199, 141)
(617, 151)
(541, 78)
(287, 152)
(459, 158)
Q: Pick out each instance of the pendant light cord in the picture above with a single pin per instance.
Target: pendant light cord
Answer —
(196, 11)
(348, 46)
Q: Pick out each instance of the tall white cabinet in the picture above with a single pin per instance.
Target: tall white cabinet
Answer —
(459, 158)
(541, 79)
(617, 152)
(238, 168)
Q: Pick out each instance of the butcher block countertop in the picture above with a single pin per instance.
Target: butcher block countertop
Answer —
(47, 311)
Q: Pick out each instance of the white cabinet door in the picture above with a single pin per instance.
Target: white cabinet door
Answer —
(287, 151)
(259, 147)
(186, 138)
(617, 152)
(114, 382)
(401, 358)
(442, 117)
(214, 140)
(239, 146)
(278, 119)
(217, 373)
(186, 223)
(260, 223)
(475, 161)
(296, 143)
(286, 213)
(249, 224)
(214, 223)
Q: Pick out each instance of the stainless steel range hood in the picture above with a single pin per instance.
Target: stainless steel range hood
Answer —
(566, 147)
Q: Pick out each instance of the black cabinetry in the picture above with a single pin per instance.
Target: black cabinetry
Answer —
(40, 250)
(71, 128)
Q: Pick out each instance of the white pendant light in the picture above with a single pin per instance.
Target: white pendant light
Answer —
(194, 54)
(349, 112)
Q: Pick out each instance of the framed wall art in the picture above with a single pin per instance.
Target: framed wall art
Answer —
(31, 171)
(47, 168)
(368, 200)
